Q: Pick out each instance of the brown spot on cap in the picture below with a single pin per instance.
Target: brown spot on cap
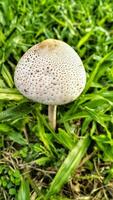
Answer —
(51, 44)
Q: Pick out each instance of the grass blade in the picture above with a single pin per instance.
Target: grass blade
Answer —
(24, 192)
(69, 165)
(94, 72)
(84, 39)
(7, 76)
(15, 112)
(10, 94)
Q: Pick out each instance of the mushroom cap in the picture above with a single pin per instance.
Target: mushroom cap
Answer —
(51, 73)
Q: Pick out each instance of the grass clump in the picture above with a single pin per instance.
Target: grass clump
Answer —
(31, 153)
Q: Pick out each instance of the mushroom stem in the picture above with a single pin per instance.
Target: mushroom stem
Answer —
(52, 115)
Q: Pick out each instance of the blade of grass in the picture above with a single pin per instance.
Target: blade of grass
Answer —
(16, 112)
(7, 76)
(69, 165)
(100, 119)
(94, 72)
(24, 191)
(10, 94)
(44, 137)
(84, 39)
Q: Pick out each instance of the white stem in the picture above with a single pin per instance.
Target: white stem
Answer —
(52, 115)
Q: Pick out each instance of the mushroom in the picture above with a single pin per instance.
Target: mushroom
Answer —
(50, 73)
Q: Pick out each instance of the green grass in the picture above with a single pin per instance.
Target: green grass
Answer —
(76, 162)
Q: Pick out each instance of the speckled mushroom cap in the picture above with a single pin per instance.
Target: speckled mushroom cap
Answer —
(51, 73)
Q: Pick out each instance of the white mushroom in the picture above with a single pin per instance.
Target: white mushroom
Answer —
(51, 73)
